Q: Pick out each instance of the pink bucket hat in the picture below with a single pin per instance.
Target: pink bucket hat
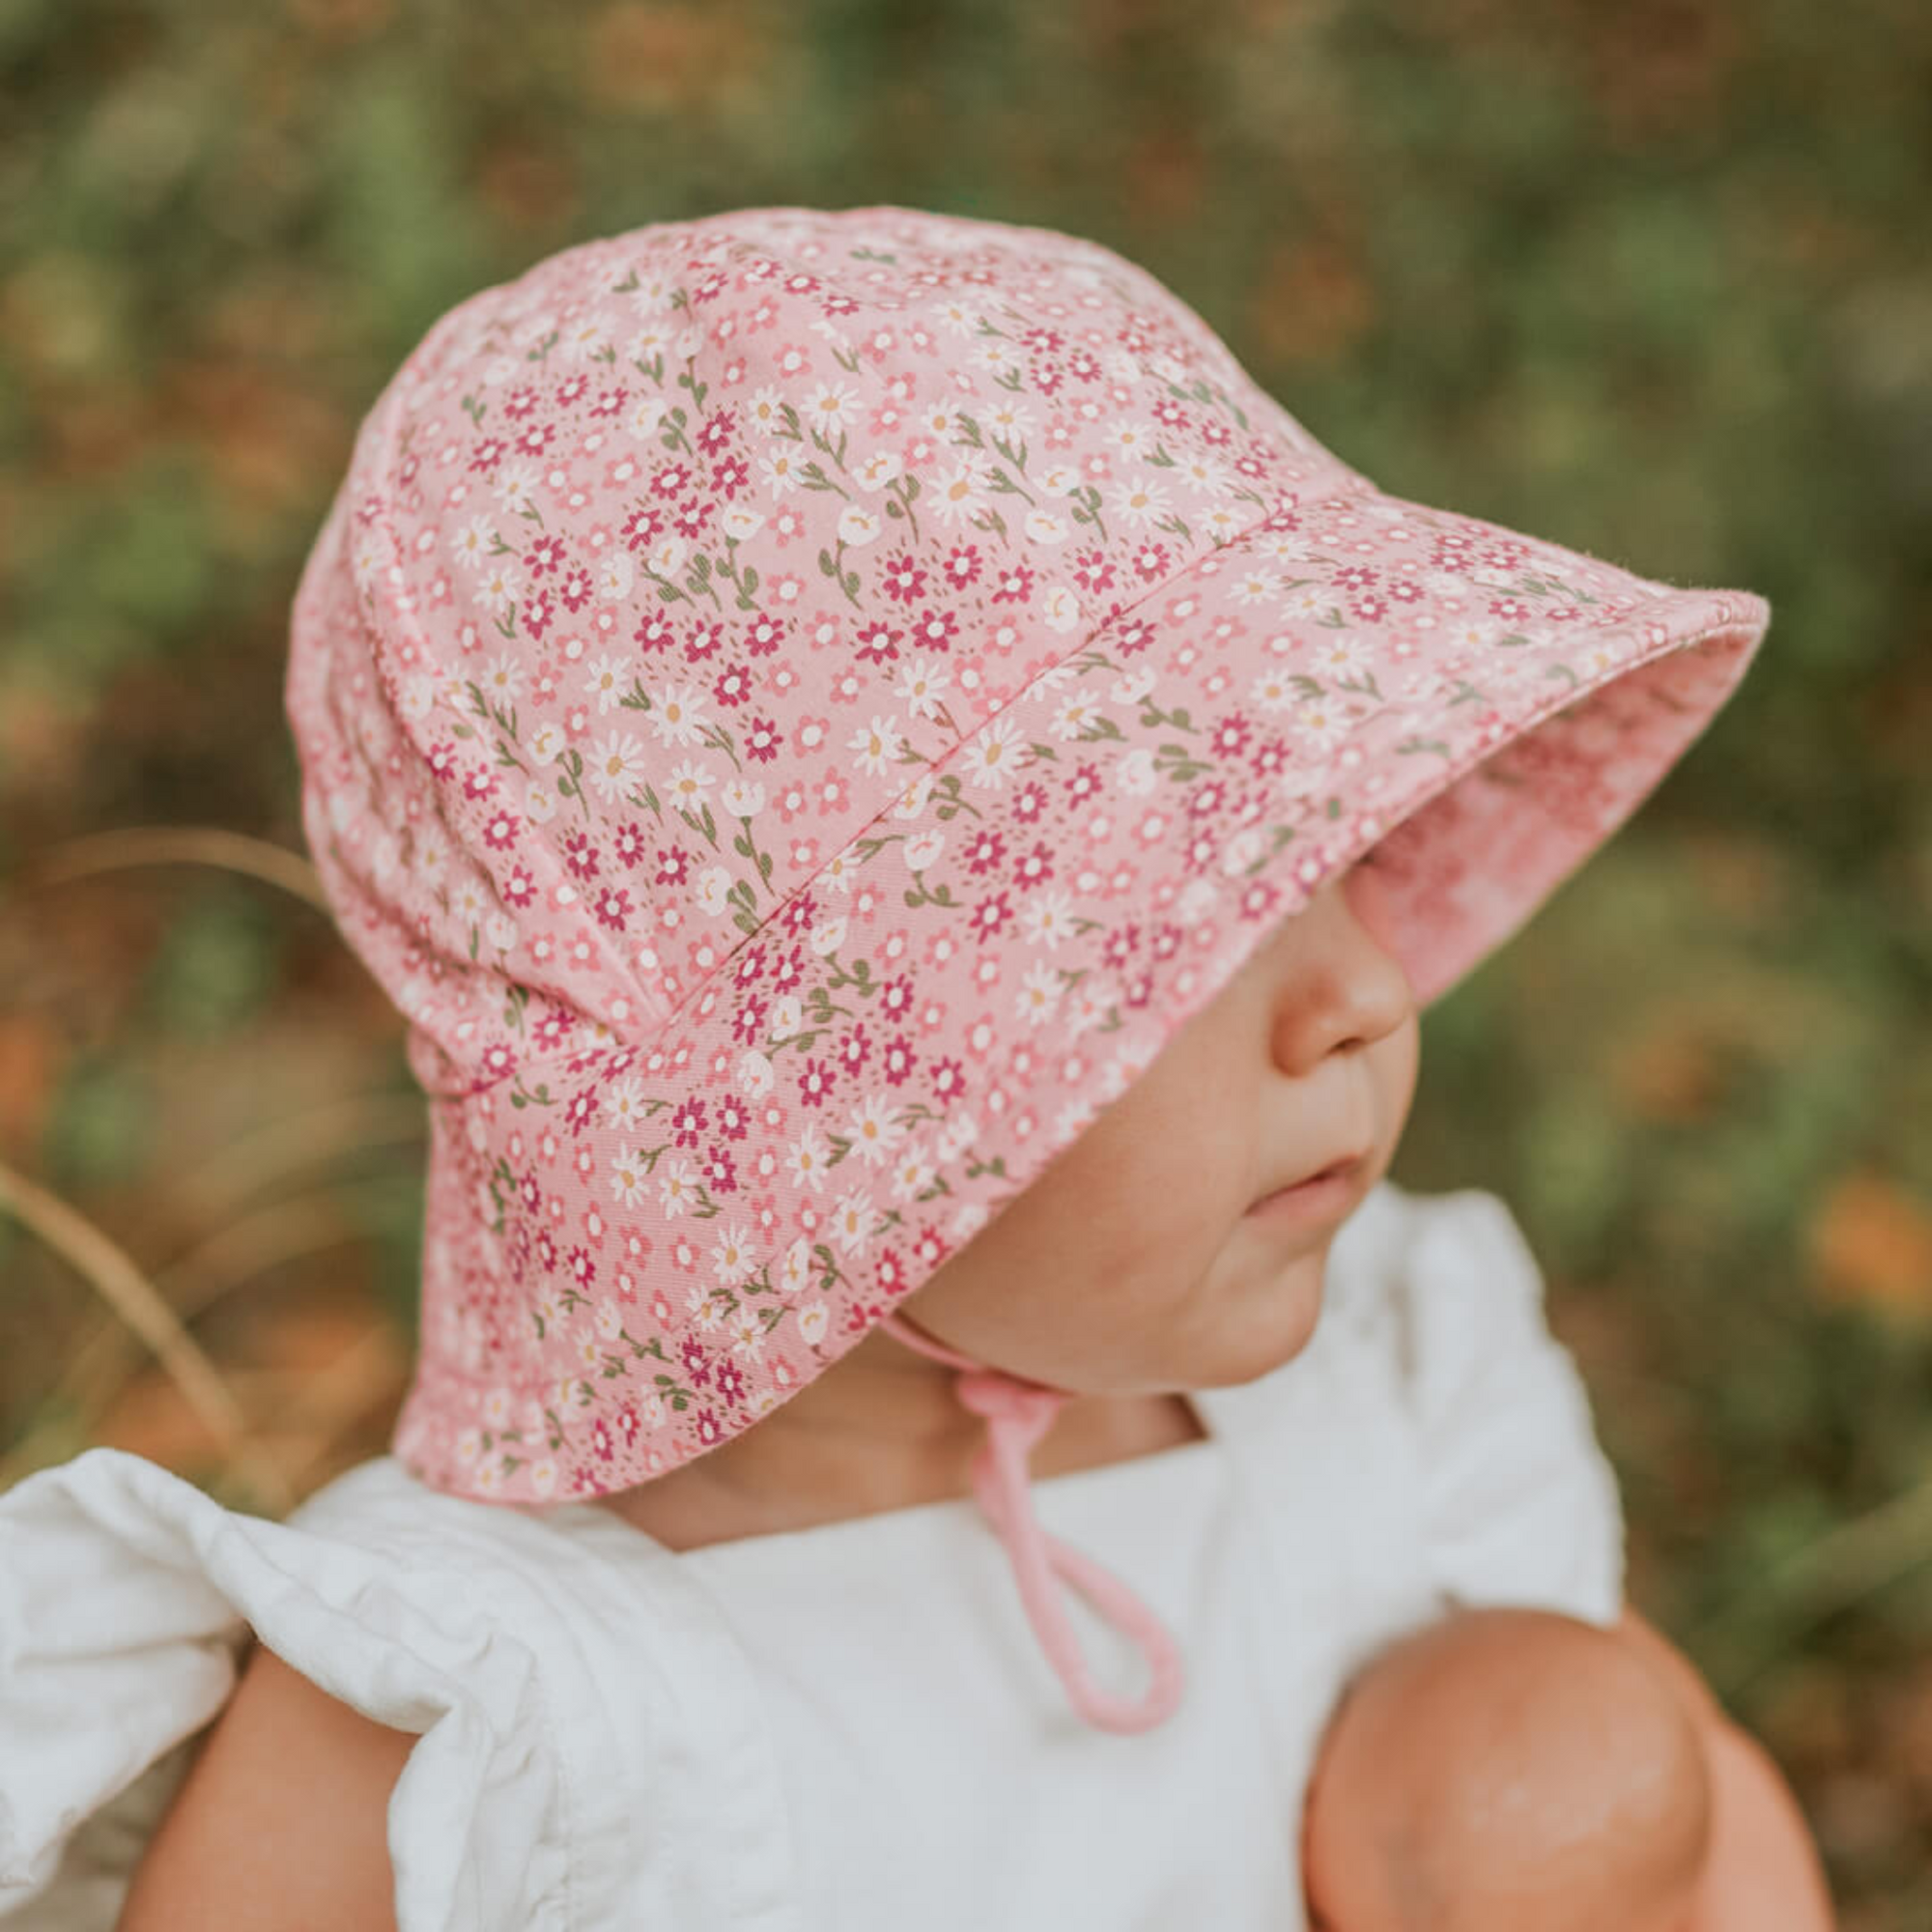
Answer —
(796, 707)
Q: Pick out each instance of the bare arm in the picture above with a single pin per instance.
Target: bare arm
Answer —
(282, 1823)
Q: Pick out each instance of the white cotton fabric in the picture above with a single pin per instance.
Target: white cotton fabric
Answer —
(847, 1728)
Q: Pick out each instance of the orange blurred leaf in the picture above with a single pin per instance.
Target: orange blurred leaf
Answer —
(1871, 1245)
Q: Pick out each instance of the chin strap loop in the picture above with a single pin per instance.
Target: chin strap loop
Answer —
(1018, 1413)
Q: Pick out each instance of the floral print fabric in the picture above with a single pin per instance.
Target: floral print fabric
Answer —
(796, 707)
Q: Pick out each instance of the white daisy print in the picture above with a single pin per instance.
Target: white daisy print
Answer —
(618, 765)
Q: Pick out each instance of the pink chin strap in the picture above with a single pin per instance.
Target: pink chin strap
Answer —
(1018, 1413)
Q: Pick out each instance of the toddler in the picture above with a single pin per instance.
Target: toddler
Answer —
(912, 811)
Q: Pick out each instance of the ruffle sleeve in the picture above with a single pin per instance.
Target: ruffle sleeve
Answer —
(125, 1594)
(1519, 1503)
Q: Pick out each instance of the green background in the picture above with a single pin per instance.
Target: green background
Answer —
(1652, 279)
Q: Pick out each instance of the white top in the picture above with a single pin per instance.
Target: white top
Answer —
(847, 1728)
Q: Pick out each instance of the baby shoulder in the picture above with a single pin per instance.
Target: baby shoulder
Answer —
(398, 1703)
(1517, 1502)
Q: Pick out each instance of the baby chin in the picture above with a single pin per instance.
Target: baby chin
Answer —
(1273, 1320)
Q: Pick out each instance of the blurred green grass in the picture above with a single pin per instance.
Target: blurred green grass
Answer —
(1653, 280)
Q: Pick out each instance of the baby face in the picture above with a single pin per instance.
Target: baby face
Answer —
(1135, 1263)
(1132, 1269)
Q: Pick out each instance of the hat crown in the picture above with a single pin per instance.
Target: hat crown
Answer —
(687, 531)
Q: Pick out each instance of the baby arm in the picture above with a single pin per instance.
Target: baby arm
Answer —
(1515, 1767)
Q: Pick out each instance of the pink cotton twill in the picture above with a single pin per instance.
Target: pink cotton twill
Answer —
(797, 706)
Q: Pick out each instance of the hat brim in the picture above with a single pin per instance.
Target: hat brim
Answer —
(1091, 866)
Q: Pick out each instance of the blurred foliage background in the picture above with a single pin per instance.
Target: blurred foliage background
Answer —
(1654, 279)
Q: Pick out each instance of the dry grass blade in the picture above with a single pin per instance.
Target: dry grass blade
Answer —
(173, 845)
(138, 1303)
(1850, 1562)
(239, 1251)
(316, 1138)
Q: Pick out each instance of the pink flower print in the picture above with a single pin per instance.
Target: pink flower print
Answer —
(553, 1028)
(545, 555)
(761, 739)
(898, 1061)
(936, 629)
(1151, 560)
(1093, 571)
(763, 635)
(696, 1362)
(629, 1425)
(1083, 787)
(896, 996)
(521, 402)
(786, 527)
(949, 1080)
(628, 844)
(730, 476)
(705, 639)
(582, 1269)
(579, 854)
(731, 1382)
(535, 439)
(1030, 802)
(788, 971)
(612, 907)
(1034, 867)
(687, 1122)
(833, 793)
(642, 528)
(655, 634)
(577, 720)
(720, 1170)
(876, 642)
(499, 1059)
(815, 1083)
(583, 949)
(902, 580)
(747, 1022)
(1015, 584)
(989, 918)
(478, 782)
(732, 686)
(601, 1438)
(854, 1050)
(670, 480)
(500, 831)
(546, 1250)
(543, 948)
(443, 762)
(539, 612)
(674, 867)
(574, 592)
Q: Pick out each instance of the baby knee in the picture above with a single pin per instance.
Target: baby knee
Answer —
(1522, 1767)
